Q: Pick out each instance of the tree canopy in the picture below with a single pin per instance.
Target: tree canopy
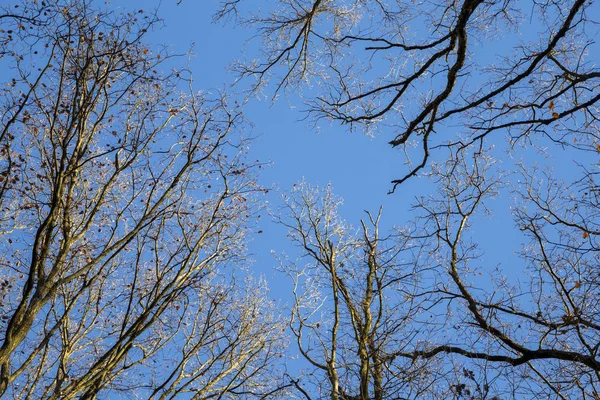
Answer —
(128, 198)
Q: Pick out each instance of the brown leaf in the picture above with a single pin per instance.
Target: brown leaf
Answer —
(584, 234)
(551, 105)
(555, 115)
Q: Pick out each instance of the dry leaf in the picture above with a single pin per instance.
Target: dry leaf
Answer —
(584, 234)
(555, 115)
(577, 285)
(551, 105)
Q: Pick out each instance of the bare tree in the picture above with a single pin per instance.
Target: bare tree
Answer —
(437, 74)
(529, 334)
(355, 303)
(124, 203)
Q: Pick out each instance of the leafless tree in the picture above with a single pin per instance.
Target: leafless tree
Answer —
(124, 204)
(437, 74)
(355, 303)
(534, 333)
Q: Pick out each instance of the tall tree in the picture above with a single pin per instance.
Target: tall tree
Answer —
(527, 328)
(124, 203)
(355, 302)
